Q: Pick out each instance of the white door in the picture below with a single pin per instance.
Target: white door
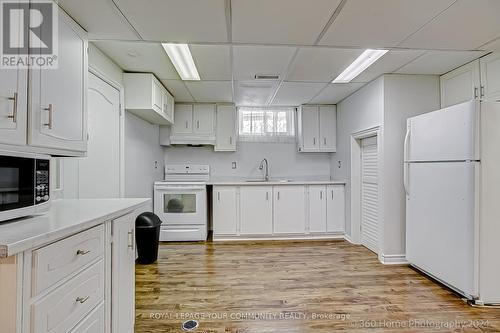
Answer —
(445, 135)
(460, 85)
(310, 127)
(369, 193)
(13, 106)
(335, 212)
(58, 104)
(225, 215)
(225, 136)
(327, 128)
(440, 221)
(99, 172)
(256, 210)
(317, 208)
(289, 209)
(123, 262)
(183, 119)
(203, 119)
(490, 77)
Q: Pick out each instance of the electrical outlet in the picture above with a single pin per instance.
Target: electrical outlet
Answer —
(233, 165)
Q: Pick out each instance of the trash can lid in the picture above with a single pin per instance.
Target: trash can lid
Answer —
(147, 220)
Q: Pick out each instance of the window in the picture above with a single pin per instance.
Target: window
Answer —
(266, 124)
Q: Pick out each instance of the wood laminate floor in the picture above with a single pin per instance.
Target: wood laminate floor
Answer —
(313, 286)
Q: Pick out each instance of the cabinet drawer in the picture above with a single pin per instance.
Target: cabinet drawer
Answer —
(58, 260)
(94, 323)
(62, 309)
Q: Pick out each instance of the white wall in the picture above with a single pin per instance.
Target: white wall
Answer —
(404, 96)
(284, 160)
(362, 110)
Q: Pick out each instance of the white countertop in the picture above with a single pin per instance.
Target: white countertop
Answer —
(277, 181)
(66, 217)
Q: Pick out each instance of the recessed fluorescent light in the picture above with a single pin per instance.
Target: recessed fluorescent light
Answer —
(183, 61)
(365, 60)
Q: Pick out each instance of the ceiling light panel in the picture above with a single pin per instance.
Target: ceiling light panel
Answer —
(365, 60)
(183, 61)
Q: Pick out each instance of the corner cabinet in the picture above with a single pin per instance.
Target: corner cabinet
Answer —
(53, 118)
(148, 99)
(317, 128)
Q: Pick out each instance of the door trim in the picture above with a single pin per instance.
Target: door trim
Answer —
(355, 208)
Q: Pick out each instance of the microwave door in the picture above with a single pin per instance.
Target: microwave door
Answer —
(16, 183)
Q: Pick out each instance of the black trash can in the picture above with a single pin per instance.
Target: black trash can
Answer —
(147, 231)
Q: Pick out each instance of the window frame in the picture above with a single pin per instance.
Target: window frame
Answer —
(269, 136)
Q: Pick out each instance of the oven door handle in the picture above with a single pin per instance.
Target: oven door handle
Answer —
(181, 188)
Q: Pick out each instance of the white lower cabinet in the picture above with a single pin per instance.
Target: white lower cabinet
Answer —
(278, 211)
(225, 211)
(317, 208)
(256, 210)
(289, 209)
(94, 323)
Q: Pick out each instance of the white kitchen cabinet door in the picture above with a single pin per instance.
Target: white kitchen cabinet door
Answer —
(317, 208)
(168, 105)
(328, 128)
(123, 277)
(335, 212)
(58, 111)
(460, 85)
(256, 210)
(309, 129)
(157, 96)
(490, 77)
(203, 119)
(183, 119)
(225, 217)
(225, 136)
(13, 106)
(289, 209)
(94, 323)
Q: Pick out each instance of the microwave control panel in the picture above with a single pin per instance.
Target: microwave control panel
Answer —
(42, 188)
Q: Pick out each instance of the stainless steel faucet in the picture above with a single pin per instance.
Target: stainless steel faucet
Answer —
(261, 166)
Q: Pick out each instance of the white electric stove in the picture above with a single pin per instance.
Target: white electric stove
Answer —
(180, 201)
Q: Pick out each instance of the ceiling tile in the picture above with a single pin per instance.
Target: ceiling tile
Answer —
(177, 20)
(466, 25)
(251, 60)
(384, 24)
(140, 57)
(254, 93)
(296, 93)
(390, 62)
(178, 90)
(280, 21)
(101, 19)
(211, 91)
(335, 92)
(212, 61)
(439, 62)
(320, 64)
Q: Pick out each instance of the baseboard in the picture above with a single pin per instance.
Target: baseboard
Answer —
(222, 238)
(349, 239)
(393, 259)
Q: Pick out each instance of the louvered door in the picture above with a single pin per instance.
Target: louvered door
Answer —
(369, 193)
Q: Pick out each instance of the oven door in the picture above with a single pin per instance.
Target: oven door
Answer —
(181, 204)
(17, 189)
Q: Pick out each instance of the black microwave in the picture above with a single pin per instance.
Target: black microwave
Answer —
(24, 184)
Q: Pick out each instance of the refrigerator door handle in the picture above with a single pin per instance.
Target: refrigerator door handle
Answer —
(405, 162)
(405, 178)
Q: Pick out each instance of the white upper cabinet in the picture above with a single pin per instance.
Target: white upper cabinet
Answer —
(203, 119)
(147, 98)
(183, 119)
(13, 106)
(225, 216)
(460, 85)
(289, 209)
(317, 208)
(58, 110)
(490, 77)
(194, 124)
(225, 128)
(317, 128)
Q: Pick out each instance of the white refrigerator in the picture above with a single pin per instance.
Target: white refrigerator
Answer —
(452, 158)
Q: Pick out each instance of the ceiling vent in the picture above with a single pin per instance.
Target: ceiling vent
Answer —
(267, 77)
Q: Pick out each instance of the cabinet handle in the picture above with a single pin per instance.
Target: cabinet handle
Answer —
(267, 195)
(14, 108)
(82, 300)
(278, 195)
(324, 141)
(51, 110)
(314, 141)
(332, 194)
(218, 196)
(131, 239)
(475, 92)
(186, 124)
(197, 124)
(482, 92)
(82, 252)
(321, 195)
(230, 140)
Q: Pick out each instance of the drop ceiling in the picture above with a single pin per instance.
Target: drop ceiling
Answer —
(306, 43)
